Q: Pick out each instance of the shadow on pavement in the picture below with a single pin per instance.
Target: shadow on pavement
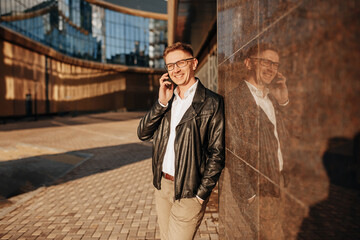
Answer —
(27, 174)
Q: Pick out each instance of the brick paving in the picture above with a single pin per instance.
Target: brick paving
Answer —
(107, 196)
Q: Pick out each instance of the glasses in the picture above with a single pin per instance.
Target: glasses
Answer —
(181, 63)
(268, 63)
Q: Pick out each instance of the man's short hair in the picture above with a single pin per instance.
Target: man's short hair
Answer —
(259, 48)
(178, 46)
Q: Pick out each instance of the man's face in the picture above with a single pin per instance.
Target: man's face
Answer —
(265, 66)
(181, 76)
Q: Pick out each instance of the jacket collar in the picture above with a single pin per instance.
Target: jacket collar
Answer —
(199, 97)
(246, 99)
(197, 103)
(250, 105)
(190, 91)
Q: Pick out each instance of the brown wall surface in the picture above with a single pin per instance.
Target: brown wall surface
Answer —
(72, 87)
(316, 195)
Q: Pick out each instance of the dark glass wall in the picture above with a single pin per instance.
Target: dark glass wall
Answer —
(80, 29)
(292, 167)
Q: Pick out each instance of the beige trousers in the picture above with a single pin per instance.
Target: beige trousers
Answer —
(180, 219)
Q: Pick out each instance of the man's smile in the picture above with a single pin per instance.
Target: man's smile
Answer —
(178, 75)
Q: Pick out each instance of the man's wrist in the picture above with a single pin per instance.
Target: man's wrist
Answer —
(250, 200)
(163, 104)
(200, 199)
(285, 103)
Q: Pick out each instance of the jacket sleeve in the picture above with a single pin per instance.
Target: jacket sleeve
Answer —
(150, 122)
(215, 160)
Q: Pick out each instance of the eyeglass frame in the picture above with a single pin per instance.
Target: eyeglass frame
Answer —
(275, 64)
(176, 63)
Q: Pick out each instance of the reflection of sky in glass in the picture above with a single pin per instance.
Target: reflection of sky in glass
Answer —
(17, 6)
(97, 22)
(35, 26)
(123, 31)
(64, 7)
(87, 31)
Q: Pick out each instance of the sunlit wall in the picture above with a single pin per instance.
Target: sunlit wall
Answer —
(33, 84)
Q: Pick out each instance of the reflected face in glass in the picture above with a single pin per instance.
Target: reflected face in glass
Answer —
(266, 66)
(181, 67)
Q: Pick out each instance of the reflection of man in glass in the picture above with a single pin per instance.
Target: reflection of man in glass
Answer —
(260, 100)
(269, 92)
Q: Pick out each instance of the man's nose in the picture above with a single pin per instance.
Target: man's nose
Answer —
(270, 69)
(176, 68)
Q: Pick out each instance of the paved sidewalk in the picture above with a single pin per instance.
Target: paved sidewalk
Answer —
(106, 192)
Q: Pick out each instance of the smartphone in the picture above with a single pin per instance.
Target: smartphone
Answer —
(276, 80)
(171, 81)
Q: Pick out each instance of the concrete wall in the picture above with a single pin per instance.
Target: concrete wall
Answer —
(316, 196)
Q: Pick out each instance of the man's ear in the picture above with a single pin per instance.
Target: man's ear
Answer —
(248, 64)
(195, 63)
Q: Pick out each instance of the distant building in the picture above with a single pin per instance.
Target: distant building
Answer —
(83, 30)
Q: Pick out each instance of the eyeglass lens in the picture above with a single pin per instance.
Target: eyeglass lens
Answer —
(180, 64)
(268, 63)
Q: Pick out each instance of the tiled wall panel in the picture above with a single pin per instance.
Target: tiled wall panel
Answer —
(316, 195)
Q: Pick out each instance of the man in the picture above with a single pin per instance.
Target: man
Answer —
(186, 125)
(259, 174)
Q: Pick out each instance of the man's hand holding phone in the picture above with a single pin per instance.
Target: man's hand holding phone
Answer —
(279, 89)
(166, 89)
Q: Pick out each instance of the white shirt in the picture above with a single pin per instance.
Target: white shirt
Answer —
(178, 109)
(266, 105)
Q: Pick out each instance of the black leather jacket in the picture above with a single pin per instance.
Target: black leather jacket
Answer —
(199, 143)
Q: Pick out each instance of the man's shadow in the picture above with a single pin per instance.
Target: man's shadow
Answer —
(338, 216)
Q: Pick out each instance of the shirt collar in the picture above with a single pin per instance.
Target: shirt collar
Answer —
(189, 92)
(256, 91)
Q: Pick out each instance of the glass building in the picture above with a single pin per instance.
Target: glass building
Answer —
(87, 31)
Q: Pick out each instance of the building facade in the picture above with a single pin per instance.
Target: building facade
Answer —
(88, 31)
(76, 55)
